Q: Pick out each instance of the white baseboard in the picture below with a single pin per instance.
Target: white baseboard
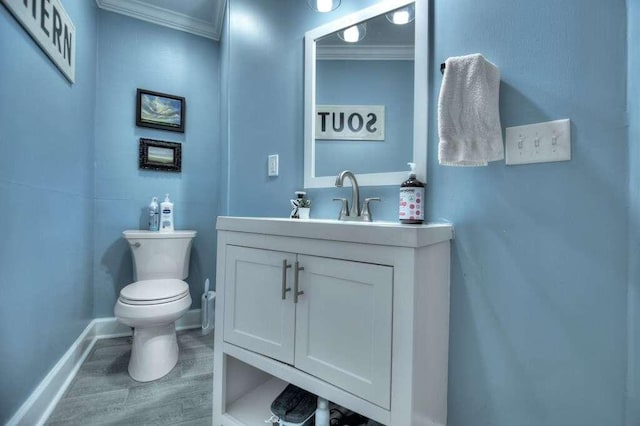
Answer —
(37, 408)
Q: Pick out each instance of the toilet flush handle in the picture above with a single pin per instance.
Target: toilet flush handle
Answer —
(136, 244)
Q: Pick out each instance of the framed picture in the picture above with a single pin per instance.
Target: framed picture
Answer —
(160, 111)
(160, 155)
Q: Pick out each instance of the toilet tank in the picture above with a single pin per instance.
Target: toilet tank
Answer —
(159, 255)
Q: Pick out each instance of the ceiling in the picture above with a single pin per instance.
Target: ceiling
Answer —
(199, 17)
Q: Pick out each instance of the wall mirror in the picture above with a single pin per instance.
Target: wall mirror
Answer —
(366, 95)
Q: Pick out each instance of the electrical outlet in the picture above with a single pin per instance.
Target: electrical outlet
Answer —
(539, 143)
(273, 165)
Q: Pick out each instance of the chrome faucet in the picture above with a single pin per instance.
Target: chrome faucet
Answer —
(354, 213)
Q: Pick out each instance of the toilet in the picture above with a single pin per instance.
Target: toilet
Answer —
(158, 297)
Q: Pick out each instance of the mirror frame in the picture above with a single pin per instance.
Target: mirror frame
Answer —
(420, 94)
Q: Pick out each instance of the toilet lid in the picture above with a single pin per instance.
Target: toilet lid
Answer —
(151, 292)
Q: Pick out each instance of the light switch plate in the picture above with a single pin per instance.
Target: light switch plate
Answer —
(539, 143)
(273, 165)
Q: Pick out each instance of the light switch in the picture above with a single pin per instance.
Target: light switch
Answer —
(539, 143)
(273, 165)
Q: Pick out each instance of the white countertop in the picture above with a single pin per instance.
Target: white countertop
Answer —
(380, 233)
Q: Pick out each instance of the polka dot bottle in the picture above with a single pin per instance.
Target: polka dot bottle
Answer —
(411, 199)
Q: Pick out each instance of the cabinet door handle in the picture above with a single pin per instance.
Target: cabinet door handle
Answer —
(284, 279)
(297, 293)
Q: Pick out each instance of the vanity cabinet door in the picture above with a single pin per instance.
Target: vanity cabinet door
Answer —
(256, 316)
(343, 325)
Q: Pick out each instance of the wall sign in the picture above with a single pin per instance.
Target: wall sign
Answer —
(350, 122)
(48, 24)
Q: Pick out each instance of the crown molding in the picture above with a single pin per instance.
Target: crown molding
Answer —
(365, 53)
(168, 18)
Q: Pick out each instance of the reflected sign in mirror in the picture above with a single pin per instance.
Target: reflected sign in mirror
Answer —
(350, 122)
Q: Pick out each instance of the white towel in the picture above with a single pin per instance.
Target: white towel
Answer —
(468, 116)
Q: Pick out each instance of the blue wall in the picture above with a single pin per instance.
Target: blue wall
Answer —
(265, 84)
(358, 82)
(135, 54)
(633, 99)
(539, 264)
(539, 280)
(272, 102)
(70, 177)
(46, 188)
(223, 199)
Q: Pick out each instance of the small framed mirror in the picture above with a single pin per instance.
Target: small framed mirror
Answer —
(366, 95)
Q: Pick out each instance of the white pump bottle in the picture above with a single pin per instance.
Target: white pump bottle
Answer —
(166, 215)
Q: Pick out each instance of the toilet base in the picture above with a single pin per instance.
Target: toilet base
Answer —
(155, 346)
(154, 352)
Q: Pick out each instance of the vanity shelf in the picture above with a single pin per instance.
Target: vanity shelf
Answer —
(253, 407)
(357, 313)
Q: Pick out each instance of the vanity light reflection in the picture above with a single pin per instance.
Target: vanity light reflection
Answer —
(402, 16)
(323, 5)
(354, 34)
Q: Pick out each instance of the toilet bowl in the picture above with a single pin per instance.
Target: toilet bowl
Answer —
(152, 307)
(152, 304)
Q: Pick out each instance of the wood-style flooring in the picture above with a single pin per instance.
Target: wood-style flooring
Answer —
(102, 393)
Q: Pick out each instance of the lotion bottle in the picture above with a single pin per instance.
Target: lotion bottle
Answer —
(166, 215)
(411, 199)
(154, 215)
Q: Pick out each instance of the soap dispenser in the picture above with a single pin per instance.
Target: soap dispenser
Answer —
(411, 199)
(166, 215)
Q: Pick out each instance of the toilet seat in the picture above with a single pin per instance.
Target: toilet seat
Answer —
(154, 292)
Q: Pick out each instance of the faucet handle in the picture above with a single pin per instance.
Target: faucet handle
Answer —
(366, 214)
(344, 211)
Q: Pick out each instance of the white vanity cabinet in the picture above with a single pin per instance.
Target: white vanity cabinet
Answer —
(255, 315)
(356, 313)
(338, 328)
